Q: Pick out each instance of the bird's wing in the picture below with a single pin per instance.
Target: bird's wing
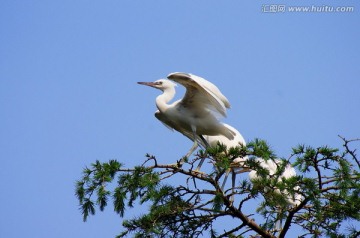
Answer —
(164, 120)
(172, 126)
(201, 92)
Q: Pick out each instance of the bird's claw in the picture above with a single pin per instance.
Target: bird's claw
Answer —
(180, 162)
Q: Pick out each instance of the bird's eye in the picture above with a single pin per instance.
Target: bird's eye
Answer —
(160, 83)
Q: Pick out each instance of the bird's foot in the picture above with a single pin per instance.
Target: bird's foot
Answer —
(231, 199)
(181, 161)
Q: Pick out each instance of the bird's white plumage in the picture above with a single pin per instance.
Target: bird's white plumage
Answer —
(270, 165)
(172, 126)
(196, 113)
(194, 116)
(201, 92)
(236, 141)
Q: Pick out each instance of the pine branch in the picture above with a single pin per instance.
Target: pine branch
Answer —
(329, 189)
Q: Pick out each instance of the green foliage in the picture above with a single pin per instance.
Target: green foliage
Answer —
(218, 202)
(167, 215)
(94, 180)
(139, 182)
(185, 203)
(261, 149)
(332, 190)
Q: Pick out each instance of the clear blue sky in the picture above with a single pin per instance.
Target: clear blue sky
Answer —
(68, 92)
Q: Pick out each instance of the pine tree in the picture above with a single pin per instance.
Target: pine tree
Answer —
(328, 182)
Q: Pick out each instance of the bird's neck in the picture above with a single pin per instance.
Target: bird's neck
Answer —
(163, 99)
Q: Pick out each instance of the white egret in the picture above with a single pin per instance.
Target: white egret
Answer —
(270, 165)
(238, 166)
(197, 113)
(238, 140)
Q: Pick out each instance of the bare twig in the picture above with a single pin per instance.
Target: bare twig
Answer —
(352, 153)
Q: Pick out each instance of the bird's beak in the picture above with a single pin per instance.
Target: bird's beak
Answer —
(151, 84)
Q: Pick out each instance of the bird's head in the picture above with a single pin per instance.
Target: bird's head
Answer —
(161, 84)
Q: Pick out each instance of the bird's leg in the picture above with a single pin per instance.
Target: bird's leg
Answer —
(185, 158)
(279, 222)
(192, 149)
(278, 226)
(204, 141)
(206, 146)
(233, 177)
(225, 179)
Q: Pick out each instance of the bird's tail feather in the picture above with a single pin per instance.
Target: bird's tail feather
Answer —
(228, 133)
